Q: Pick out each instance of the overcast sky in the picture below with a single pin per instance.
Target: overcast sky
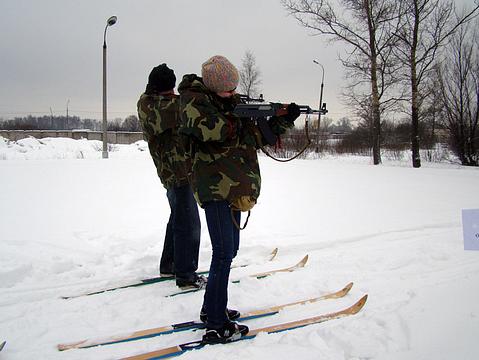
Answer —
(51, 52)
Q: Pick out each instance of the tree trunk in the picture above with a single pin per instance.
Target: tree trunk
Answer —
(376, 115)
(376, 120)
(416, 156)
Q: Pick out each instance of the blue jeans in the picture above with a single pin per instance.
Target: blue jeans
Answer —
(225, 243)
(182, 240)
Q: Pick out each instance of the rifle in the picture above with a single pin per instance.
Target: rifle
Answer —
(259, 111)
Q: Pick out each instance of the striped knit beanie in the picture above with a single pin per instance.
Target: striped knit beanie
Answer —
(219, 74)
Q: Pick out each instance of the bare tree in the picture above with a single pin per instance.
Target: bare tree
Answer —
(425, 26)
(249, 76)
(459, 79)
(366, 27)
(115, 124)
(131, 123)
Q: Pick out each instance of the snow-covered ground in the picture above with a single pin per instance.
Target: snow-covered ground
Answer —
(72, 222)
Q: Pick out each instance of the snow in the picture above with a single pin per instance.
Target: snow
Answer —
(72, 222)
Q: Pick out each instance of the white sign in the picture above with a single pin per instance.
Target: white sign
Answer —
(470, 227)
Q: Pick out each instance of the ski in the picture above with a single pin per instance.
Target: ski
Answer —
(190, 325)
(154, 280)
(262, 275)
(300, 264)
(182, 348)
(2, 345)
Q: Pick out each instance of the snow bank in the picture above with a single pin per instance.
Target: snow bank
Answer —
(63, 148)
(69, 226)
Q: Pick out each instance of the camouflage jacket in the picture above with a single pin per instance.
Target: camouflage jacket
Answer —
(223, 147)
(159, 117)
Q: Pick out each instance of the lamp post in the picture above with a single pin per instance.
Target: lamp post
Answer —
(111, 21)
(320, 105)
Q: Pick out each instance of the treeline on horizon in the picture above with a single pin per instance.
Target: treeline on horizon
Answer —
(46, 122)
(354, 138)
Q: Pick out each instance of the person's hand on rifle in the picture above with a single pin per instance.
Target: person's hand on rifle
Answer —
(293, 112)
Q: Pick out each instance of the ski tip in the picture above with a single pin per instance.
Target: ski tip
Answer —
(340, 293)
(355, 308)
(273, 254)
(303, 261)
(343, 292)
(2, 345)
(348, 287)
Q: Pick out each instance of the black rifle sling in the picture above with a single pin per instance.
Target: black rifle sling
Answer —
(238, 226)
(306, 145)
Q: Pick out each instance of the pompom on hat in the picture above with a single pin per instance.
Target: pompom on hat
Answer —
(161, 78)
(219, 74)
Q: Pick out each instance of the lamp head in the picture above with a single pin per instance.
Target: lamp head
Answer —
(111, 21)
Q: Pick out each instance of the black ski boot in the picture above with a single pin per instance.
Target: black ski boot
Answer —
(193, 282)
(232, 315)
(230, 331)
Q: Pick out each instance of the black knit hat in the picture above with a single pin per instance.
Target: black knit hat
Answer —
(161, 78)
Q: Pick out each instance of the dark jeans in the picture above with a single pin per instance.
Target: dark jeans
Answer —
(182, 239)
(225, 243)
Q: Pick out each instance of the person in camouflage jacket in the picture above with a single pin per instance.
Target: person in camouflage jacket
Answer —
(223, 147)
(158, 111)
(225, 176)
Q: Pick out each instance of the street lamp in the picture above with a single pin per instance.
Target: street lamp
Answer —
(111, 21)
(320, 105)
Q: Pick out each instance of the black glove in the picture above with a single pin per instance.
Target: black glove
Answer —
(293, 112)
